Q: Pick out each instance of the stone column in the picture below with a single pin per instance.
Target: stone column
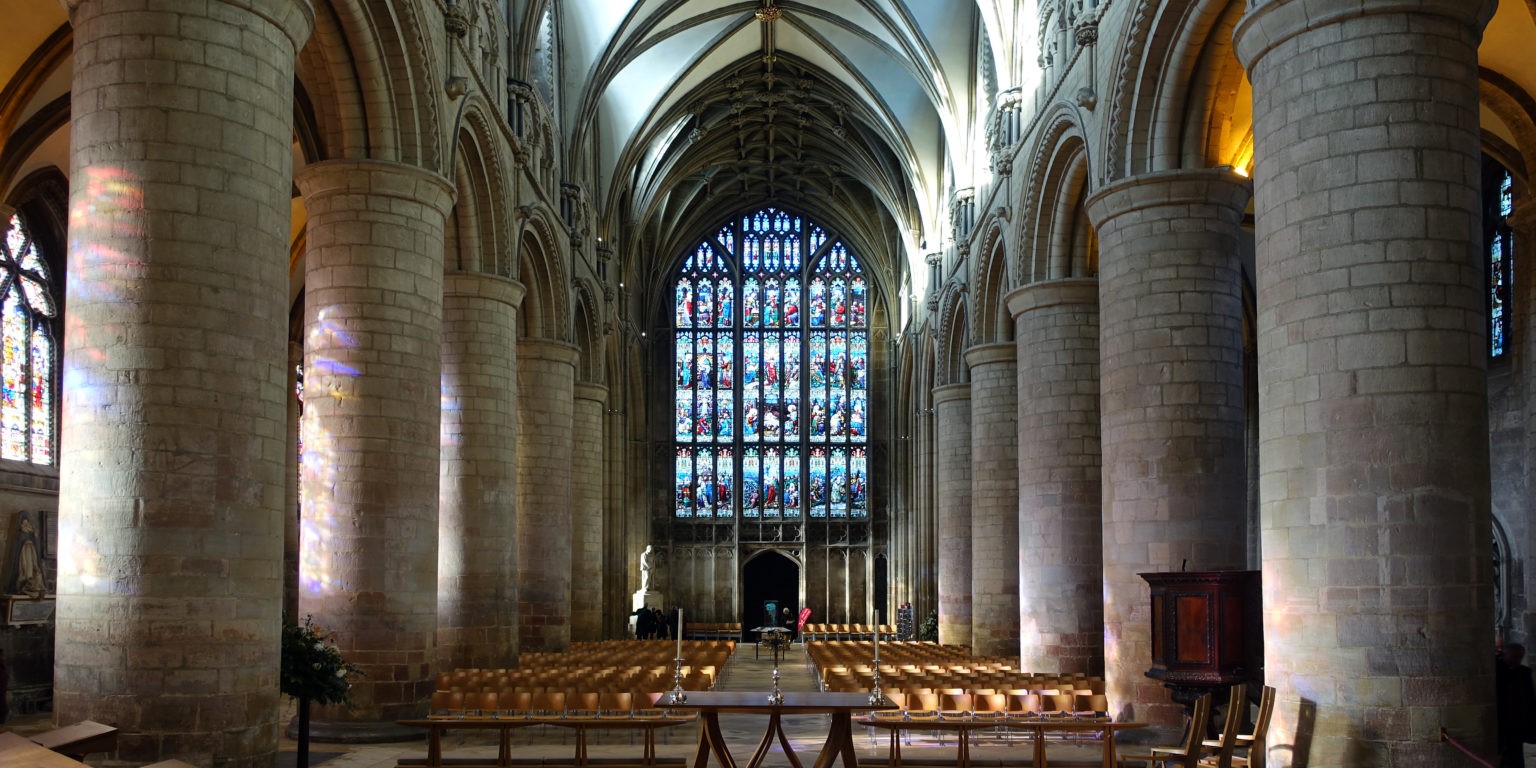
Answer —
(952, 521)
(994, 499)
(1061, 572)
(477, 523)
(546, 377)
(174, 398)
(587, 604)
(373, 335)
(1372, 376)
(1171, 368)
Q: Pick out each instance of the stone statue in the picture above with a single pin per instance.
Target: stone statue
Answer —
(647, 568)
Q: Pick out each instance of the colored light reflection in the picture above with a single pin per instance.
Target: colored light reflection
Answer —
(320, 480)
(106, 235)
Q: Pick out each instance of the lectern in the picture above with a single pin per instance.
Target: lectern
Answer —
(1207, 632)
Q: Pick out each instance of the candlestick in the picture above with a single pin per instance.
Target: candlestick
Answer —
(877, 644)
(679, 633)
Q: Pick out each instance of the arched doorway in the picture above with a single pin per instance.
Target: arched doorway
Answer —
(770, 580)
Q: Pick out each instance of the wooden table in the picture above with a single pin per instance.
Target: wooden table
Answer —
(841, 706)
(435, 727)
(1037, 726)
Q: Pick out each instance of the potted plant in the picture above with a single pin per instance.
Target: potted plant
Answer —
(313, 671)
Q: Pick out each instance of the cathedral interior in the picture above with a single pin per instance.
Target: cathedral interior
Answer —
(426, 319)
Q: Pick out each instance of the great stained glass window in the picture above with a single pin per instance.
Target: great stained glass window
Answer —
(27, 349)
(771, 361)
(1498, 207)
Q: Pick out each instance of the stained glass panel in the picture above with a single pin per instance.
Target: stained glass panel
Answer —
(1498, 204)
(745, 412)
(27, 416)
(14, 404)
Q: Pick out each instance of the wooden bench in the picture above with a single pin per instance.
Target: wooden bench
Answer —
(436, 726)
(78, 740)
(1100, 729)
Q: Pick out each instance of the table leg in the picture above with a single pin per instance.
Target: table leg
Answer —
(581, 747)
(963, 751)
(789, 751)
(650, 747)
(775, 728)
(1039, 747)
(894, 760)
(434, 747)
(504, 748)
(711, 740)
(839, 743)
(1109, 748)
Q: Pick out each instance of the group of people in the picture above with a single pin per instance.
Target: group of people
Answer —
(1515, 696)
(656, 624)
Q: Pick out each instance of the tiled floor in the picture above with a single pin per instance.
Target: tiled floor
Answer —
(743, 732)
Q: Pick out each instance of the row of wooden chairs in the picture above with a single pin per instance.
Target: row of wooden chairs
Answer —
(1195, 751)
(818, 632)
(965, 705)
(647, 665)
(704, 630)
(510, 704)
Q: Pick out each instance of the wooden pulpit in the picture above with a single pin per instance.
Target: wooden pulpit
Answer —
(1207, 631)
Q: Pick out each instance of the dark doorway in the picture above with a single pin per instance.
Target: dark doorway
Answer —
(769, 578)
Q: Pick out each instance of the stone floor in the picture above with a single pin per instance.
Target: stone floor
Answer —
(539, 746)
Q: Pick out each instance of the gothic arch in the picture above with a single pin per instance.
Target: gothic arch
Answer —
(546, 309)
(587, 325)
(1175, 99)
(1055, 233)
(954, 333)
(1517, 109)
(989, 310)
(374, 82)
(479, 235)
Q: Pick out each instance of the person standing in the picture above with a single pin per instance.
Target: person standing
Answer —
(1515, 703)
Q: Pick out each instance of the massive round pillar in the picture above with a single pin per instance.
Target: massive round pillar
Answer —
(174, 408)
(586, 510)
(952, 479)
(1171, 367)
(546, 379)
(477, 522)
(994, 499)
(373, 335)
(1061, 578)
(1373, 426)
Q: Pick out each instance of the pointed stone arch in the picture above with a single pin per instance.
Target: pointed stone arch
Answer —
(1177, 84)
(1507, 100)
(954, 335)
(1057, 239)
(546, 309)
(587, 327)
(480, 228)
(989, 312)
(374, 82)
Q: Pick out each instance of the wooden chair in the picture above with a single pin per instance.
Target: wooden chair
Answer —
(447, 704)
(1185, 755)
(1219, 755)
(1252, 742)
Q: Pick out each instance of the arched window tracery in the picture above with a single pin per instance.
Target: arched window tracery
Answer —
(28, 351)
(771, 361)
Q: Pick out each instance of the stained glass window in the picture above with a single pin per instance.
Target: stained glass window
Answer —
(1498, 207)
(28, 353)
(756, 433)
